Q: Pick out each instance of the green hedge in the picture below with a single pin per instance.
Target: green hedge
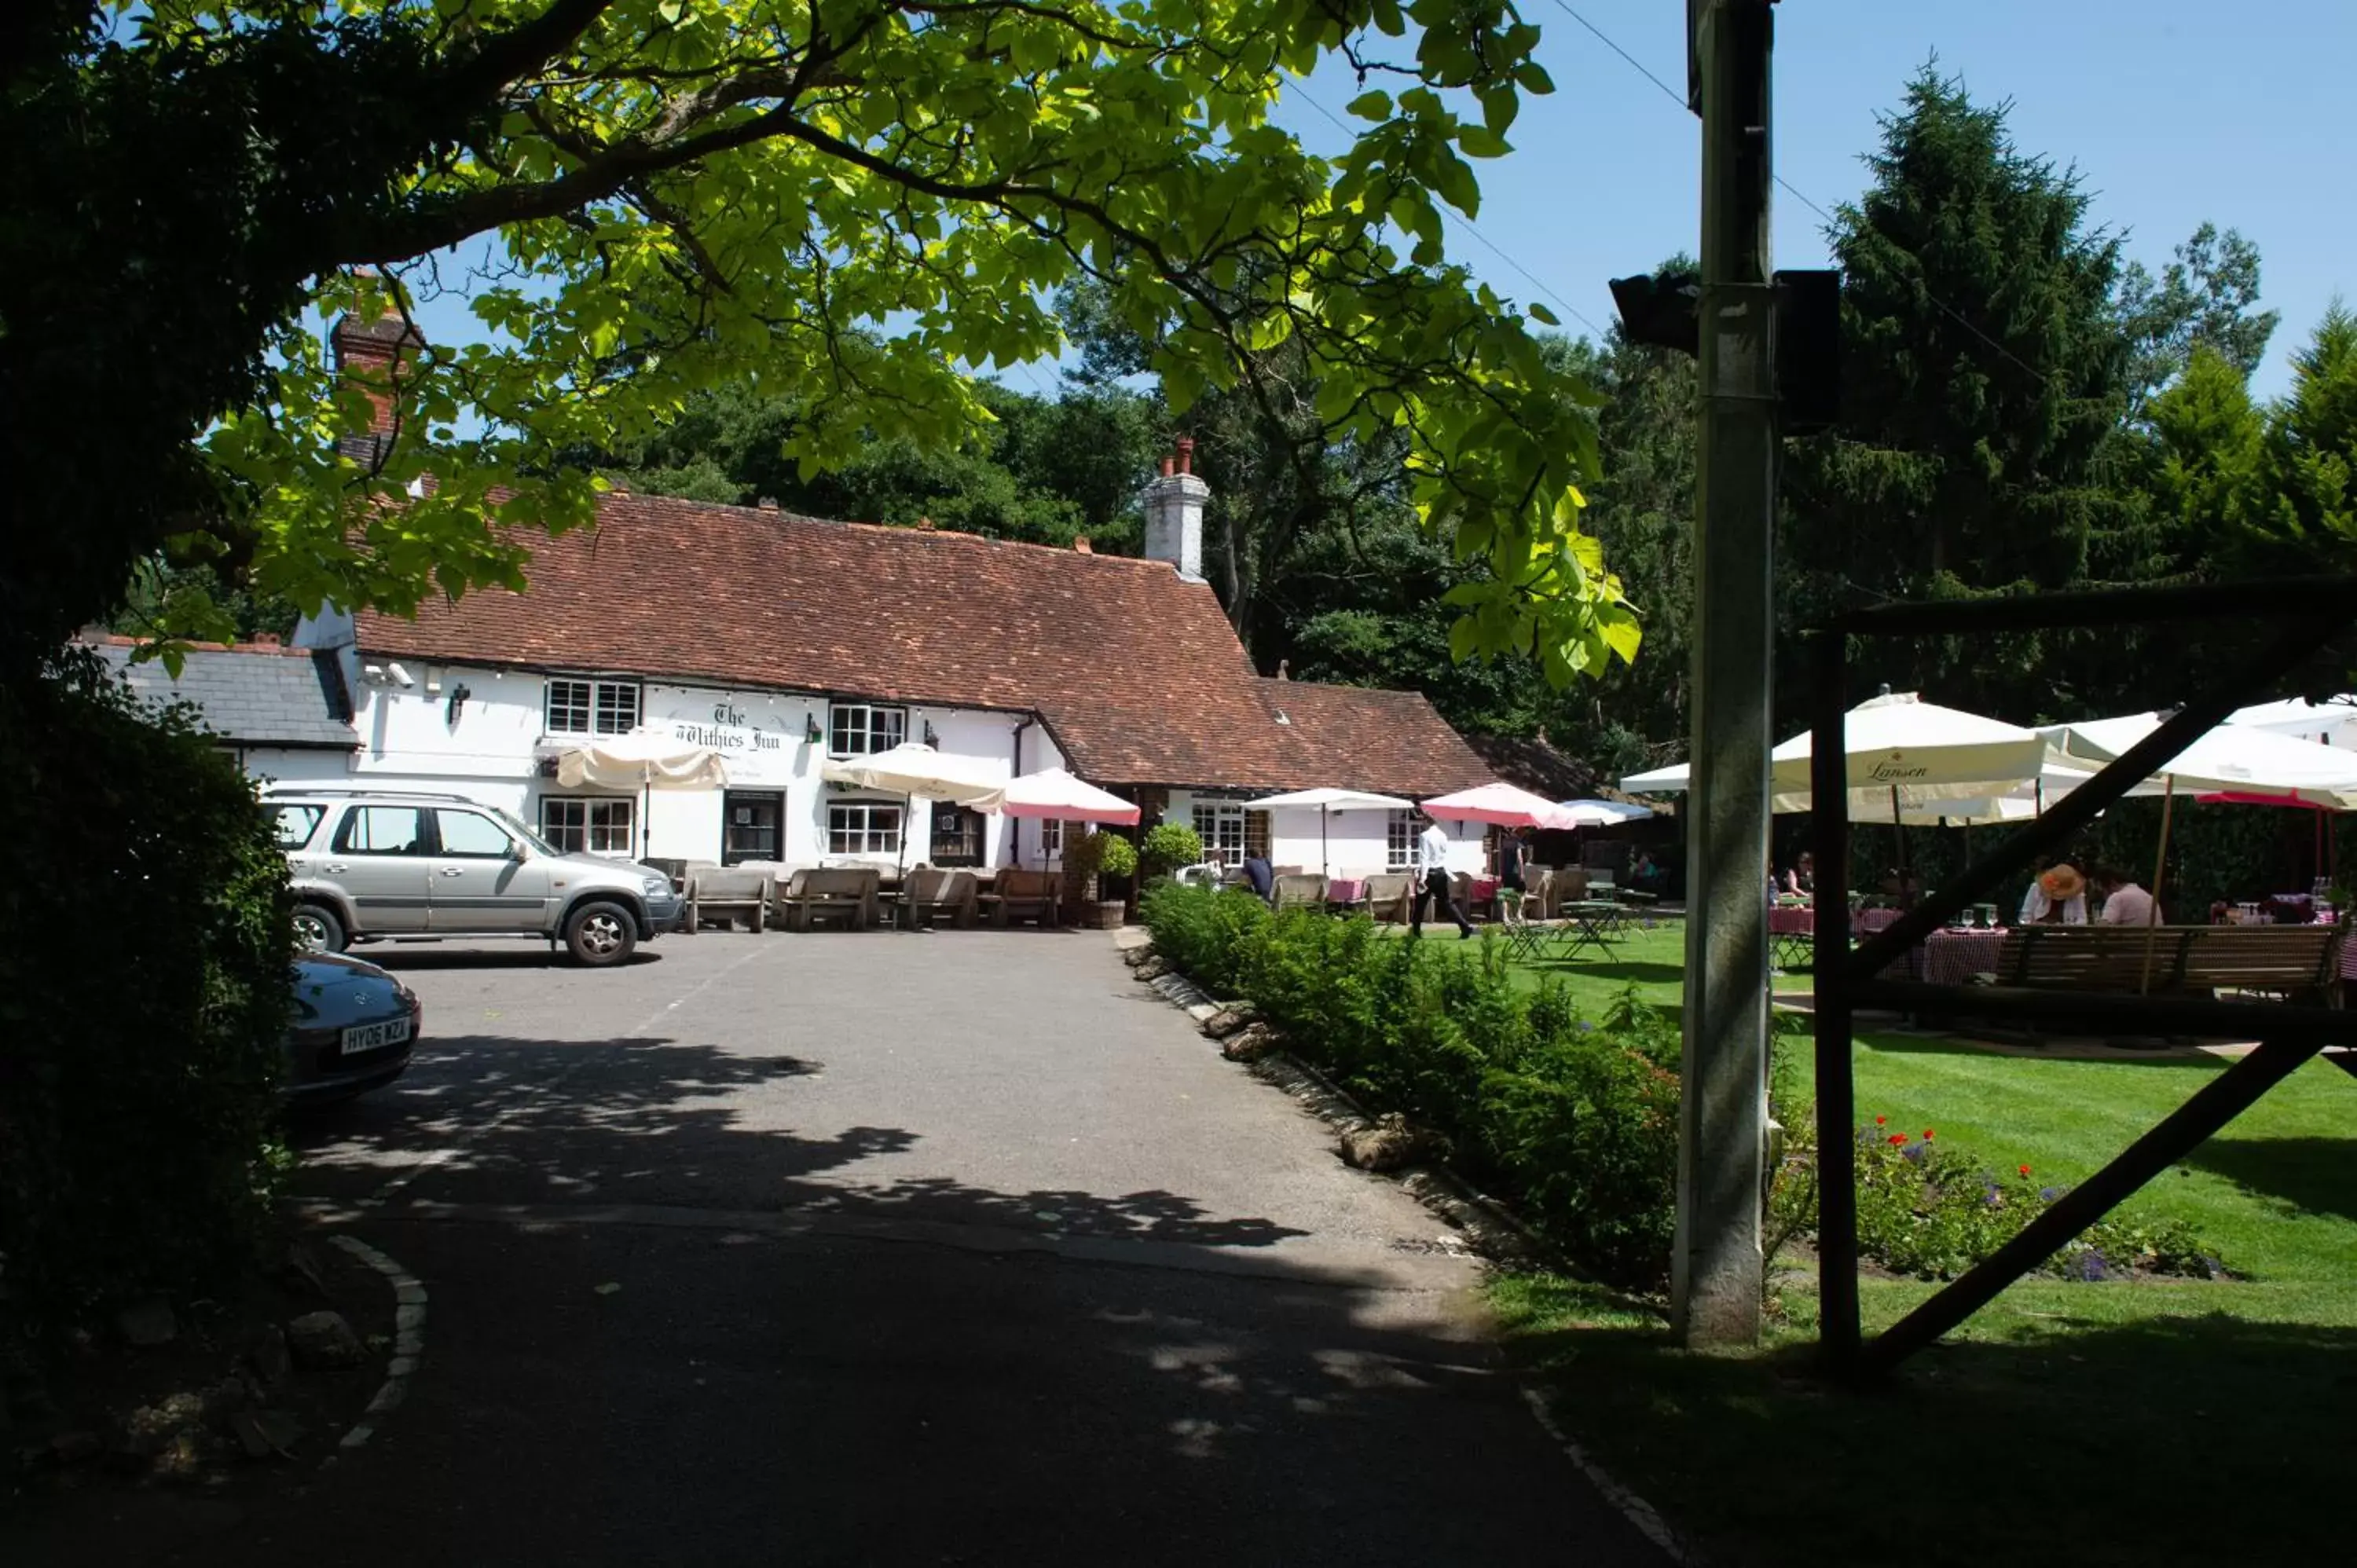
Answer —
(145, 993)
(1575, 1120)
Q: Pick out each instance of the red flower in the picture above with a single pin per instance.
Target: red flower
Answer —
(1880, 1120)
(1897, 1137)
(1927, 1134)
(2025, 1170)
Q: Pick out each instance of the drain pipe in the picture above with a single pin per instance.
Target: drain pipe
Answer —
(1014, 853)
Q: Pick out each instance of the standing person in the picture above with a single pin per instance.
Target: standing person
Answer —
(1432, 879)
(2124, 903)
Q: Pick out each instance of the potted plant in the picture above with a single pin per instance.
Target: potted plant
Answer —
(1168, 846)
(1116, 865)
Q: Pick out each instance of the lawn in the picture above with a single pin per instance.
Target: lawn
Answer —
(2141, 1423)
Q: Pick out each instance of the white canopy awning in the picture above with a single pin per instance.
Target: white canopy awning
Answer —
(918, 770)
(2231, 759)
(641, 759)
(1603, 813)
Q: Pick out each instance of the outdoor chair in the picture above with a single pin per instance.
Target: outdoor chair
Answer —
(1300, 891)
(1019, 894)
(726, 894)
(675, 869)
(845, 891)
(1387, 895)
(930, 893)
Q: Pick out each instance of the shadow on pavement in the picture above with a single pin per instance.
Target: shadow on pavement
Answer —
(433, 955)
(1040, 1377)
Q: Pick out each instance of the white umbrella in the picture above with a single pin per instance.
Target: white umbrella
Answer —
(2233, 759)
(1326, 800)
(918, 770)
(2333, 721)
(1603, 813)
(915, 772)
(643, 759)
(1901, 751)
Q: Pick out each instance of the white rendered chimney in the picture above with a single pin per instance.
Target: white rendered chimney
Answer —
(1174, 513)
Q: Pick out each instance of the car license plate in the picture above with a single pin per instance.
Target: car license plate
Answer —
(375, 1037)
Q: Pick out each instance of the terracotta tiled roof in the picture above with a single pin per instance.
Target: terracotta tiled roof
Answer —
(1537, 767)
(1361, 737)
(1136, 670)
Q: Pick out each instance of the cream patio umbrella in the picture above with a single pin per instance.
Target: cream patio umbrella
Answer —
(915, 772)
(645, 759)
(1327, 801)
(1901, 753)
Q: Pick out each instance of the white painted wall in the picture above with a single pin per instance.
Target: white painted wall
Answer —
(293, 765)
(489, 749)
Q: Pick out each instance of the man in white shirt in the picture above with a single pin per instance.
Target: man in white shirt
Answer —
(1432, 880)
(2124, 903)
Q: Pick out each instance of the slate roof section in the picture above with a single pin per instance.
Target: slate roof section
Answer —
(1363, 737)
(251, 695)
(1536, 765)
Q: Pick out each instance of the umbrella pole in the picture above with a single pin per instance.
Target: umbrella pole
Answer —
(1325, 866)
(1900, 828)
(2159, 867)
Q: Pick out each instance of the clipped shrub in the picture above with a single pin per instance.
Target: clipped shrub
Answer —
(1169, 845)
(1576, 1123)
(145, 943)
(1116, 856)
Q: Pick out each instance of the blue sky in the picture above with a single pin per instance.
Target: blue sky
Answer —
(2174, 113)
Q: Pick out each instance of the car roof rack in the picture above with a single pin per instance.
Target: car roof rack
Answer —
(269, 790)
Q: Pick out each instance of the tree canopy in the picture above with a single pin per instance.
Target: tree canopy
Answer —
(859, 204)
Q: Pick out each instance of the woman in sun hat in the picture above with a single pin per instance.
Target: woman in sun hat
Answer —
(2057, 896)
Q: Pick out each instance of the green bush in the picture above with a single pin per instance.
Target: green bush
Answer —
(1168, 846)
(144, 992)
(1576, 1123)
(1116, 856)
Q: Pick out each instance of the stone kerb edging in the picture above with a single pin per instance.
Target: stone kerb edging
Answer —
(409, 1338)
(1494, 1231)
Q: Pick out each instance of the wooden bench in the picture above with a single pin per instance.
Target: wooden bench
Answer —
(1018, 895)
(727, 894)
(930, 892)
(847, 891)
(2299, 961)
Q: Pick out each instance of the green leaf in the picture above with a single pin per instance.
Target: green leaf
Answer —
(1374, 105)
(1541, 313)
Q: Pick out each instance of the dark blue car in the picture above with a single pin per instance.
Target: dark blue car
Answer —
(352, 1030)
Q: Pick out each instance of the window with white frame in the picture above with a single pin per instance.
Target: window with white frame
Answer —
(578, 705)
(857, 729)
(860, 827)
(1399, 842)
(1221, 826)
(1051, 836)
(576, 824)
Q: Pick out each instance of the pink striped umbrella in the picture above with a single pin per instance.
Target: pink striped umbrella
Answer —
(1053, 793)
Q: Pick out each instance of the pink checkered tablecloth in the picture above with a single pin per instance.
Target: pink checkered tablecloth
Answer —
(1801, 920)
(1950, 958)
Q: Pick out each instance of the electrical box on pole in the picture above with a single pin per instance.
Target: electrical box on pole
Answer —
(1662, 312)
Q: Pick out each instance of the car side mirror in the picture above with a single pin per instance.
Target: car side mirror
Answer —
(517, 852)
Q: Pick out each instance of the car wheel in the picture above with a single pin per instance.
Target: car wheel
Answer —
(601, 934)
(316, 929)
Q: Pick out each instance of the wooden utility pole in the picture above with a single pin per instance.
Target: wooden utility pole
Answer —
(1722, 1150)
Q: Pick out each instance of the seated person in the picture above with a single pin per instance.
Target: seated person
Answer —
(1800, 881)
(2057, 896)
(1261, 875)
(2124, 903)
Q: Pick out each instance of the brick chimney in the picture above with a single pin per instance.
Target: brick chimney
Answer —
(1081, 546)
(1174, 513)
(370, 355)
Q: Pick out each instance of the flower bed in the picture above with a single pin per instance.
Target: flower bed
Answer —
(1932, 1211)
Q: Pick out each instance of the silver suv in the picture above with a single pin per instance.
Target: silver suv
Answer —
(370, 864)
